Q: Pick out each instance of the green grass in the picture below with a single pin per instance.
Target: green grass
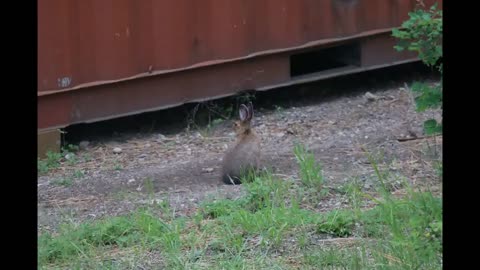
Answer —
(310, 170)
(334, 258)
(63, 181)
(78, 174)
(337, 223)
(53, 159)
(117, 166)
(84, 240)
(267, 228)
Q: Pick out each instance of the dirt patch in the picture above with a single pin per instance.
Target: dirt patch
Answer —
(184, 169)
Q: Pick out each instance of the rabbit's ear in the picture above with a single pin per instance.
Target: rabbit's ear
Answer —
(243, 112)
(250, 111)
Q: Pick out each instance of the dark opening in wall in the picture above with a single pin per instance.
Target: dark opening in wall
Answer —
(324, 59)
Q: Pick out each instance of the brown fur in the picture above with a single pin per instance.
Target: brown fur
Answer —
(244, 156)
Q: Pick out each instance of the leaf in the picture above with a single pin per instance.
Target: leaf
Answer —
(431, 127)
(426, 16)
(398, 48)
(395, 32)
(427, 96)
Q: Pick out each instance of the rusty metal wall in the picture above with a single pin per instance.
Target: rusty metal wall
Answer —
(85, 43)
(90, 41)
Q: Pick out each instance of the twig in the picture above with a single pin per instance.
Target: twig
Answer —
(341, 241)
(416, 138)
(283, 175)
(217, 138)
(392, 101)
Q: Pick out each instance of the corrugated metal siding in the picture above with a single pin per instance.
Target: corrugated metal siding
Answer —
(89, 41)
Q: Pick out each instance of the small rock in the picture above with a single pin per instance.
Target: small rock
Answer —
(131, 180)
(117, 150)
(280, 134)
(155, 201)
(84, 145)
(371, 97)
(148, 145)
(142, 156)
(139, 188)
(207, 170)
(43, 184)
(69, 156)
(161, 137)
(367, 185)
(412, 133)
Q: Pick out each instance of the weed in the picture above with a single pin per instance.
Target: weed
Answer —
(220, 208)
(117, 166)
(303, 239)
(439, 169)
(204, 117)
(353, 190)
(149, 187)
(78, 174)
(334, 258)
(63, 181)
(51, 161)
(338, 223)
(245, 98)
(265, 191)
(310, 171)
(70, 148)
(87, 157)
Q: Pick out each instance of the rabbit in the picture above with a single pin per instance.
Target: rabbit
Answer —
(244, 156)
